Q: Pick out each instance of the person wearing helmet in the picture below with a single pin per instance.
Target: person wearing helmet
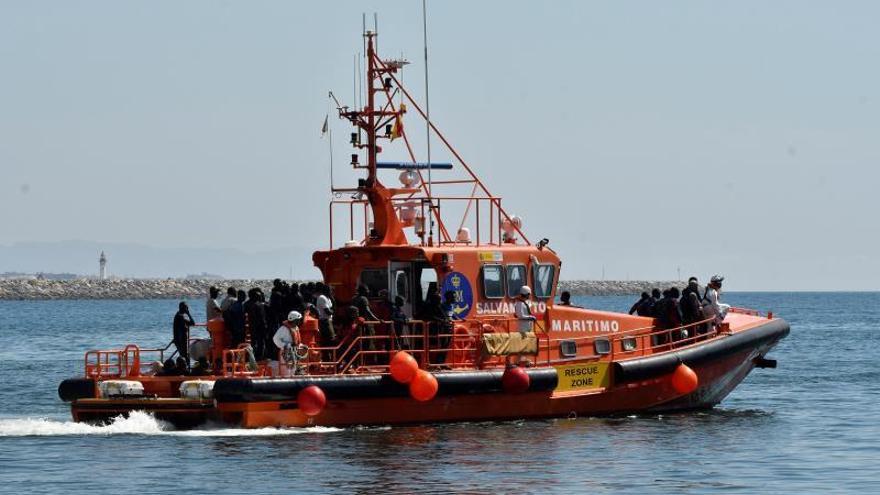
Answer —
(712, 305)
(288, 333)
(522, 310)
(287, 336)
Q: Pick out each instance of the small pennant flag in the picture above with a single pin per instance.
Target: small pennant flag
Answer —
(326, 125)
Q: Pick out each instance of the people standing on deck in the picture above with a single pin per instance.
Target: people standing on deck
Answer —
(712, 305)
(294, 298)
(231, 296)
(310, 292)
(565, 298)
(183, 320)
(257, 316)
(399, 322)
(212, 307)
(444, 325)
(324, 306)
(234, 319)
(523, 312)
(691, 304)
(362, 303)
(637, 307)
(693, 286)
(669, 312)
(655, 298)
(276, 303)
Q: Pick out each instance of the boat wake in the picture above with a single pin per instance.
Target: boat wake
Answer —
(138, 423)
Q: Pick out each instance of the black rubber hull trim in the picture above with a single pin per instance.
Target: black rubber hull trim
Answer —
(370, 386)
(76, 388)
(650, 367)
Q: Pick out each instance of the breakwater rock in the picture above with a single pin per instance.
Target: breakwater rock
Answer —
(39, 289)
(28, 289)
(614, 287)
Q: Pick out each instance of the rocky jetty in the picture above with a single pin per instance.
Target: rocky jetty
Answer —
(41, 289)
(614, 287)
(23, 289)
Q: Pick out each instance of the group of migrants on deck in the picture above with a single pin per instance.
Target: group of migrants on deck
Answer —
(275, 326)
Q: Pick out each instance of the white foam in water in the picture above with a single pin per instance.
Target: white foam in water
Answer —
(137, 423)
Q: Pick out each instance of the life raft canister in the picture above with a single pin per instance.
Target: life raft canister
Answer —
(120, 388)
(197, 389)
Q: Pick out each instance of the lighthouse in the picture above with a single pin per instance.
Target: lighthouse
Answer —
(102, 261)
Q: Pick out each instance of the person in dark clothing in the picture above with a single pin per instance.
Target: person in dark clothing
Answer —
(257, 317)
(693, 286)
(565, 298)
(641, 302)
(692, 312)
(168, 368)
(399, 322)
(669, 311)
(310, 294)
(234, 318)
(430, 310)
(362, 303)
(276, 304)
(202, 368)
(444, 322)
(691, 302)
(229, 299)
(182, 365)
(368, 330)
(294, 299)
(649, 308)
(183, 320)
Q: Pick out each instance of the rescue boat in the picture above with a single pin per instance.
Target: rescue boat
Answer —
(411, 241)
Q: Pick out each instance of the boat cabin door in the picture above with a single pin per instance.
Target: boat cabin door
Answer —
(400, 278)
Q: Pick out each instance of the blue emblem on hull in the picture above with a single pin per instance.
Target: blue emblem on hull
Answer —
(464, 295)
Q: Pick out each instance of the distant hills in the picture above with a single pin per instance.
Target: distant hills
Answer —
(143, 261)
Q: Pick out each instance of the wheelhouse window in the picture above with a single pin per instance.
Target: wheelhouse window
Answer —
(543, 275)
(493, 281)
(516, 278)
(374, 280)
(401, 284)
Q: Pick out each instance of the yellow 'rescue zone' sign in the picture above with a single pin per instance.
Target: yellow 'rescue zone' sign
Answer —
(582, 376)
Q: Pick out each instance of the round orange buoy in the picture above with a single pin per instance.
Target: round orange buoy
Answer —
(515, 380)
(311, 400)
(403, 367)
(684, 379)
(423, 387)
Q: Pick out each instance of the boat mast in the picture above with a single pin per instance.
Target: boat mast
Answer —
(427, 118)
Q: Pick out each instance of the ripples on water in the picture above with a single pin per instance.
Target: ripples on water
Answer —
(809, 426)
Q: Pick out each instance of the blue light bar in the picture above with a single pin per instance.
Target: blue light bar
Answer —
(414, 166)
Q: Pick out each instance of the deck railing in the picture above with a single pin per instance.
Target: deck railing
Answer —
(371, 345)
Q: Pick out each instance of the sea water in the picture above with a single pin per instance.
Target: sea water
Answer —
(810, 426)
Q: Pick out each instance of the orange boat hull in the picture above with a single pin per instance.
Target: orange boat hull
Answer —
(716, 379)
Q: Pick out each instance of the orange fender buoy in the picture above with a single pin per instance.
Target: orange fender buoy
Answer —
(311, 400)
(423, 387)
(403, 367)
(684, 379)
(515, 380)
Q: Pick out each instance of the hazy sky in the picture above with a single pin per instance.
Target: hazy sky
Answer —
(740, 137)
